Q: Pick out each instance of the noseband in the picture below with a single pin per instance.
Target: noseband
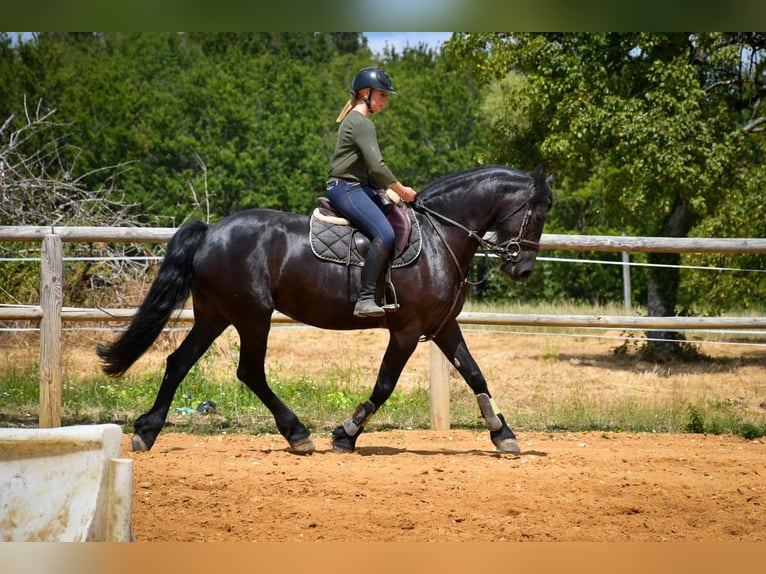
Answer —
(511, 250)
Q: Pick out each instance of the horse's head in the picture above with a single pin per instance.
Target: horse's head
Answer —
(519, 225)
(501, 208)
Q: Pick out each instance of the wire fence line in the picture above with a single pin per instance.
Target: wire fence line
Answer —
(490, 255)
(550, 241)
(577, 335)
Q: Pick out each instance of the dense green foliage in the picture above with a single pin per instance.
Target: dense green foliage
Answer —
(211, 124)
(648, 134)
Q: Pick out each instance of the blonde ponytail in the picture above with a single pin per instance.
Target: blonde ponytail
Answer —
(346, 109)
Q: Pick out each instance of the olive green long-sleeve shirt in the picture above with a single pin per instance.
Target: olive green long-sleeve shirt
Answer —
(357, 155)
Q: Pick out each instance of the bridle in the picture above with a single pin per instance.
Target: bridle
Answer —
(508, 251)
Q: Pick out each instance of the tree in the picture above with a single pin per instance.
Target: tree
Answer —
(645, 129)
(433, 126)
(41, 184)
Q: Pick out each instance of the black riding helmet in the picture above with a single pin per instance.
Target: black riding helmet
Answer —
(372, 77)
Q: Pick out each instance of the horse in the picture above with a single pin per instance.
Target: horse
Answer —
(242, 268)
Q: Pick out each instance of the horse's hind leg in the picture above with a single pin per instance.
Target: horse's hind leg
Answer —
(451, 342)
(178, 363)
(251, 371)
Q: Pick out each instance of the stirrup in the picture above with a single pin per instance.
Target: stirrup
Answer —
(389, 286)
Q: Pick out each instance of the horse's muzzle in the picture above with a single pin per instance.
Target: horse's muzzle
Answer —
(520, 270)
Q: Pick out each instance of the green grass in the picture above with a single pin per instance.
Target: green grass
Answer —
(323, 406)
(632, 415)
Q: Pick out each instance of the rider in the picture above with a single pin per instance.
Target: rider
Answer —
(357, 169)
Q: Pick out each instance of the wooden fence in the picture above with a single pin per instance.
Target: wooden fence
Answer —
(51, 312)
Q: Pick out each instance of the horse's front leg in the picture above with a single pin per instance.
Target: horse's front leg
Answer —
(451, 342)
(399, 350)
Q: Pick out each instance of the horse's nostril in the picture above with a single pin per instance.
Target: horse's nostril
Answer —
(523, 275)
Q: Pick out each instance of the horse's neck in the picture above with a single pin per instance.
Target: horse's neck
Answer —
(457, 229)
(471, 213)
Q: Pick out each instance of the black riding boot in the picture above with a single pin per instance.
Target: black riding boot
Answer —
(374, 265)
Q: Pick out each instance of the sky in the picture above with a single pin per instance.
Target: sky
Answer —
(400, 40)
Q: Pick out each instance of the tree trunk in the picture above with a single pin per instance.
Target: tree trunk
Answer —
(663, 286)
(662, 296)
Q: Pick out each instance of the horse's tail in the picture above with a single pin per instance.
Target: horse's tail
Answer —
(169, 290)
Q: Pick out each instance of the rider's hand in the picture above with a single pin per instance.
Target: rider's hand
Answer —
(404, 191)
(408, 194)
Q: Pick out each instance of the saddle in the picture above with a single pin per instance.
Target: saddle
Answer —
(334, 238)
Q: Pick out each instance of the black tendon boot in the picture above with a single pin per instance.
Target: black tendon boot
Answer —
(344, 436)
(374, 265)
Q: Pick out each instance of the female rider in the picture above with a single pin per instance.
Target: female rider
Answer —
(357, 169)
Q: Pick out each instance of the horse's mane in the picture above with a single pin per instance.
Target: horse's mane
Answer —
(453, 181)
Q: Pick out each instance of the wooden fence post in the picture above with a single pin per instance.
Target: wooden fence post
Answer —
(626, 292)
(51, 282)
(439, 389)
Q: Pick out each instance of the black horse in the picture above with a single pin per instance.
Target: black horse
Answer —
(244, 267)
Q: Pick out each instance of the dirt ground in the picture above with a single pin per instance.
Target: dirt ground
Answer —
(420, 486)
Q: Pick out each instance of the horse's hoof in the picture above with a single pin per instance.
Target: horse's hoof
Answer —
(508, 445)
(302, 446)
(342, 442)
(138, 444)
(340, 449)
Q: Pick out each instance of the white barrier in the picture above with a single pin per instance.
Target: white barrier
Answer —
(64, 485)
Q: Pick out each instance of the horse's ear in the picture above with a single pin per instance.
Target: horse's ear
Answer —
(538, 176)
(550, 179)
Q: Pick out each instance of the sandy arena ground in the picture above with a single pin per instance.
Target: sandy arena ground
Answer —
(422, 485)
(451, 486)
